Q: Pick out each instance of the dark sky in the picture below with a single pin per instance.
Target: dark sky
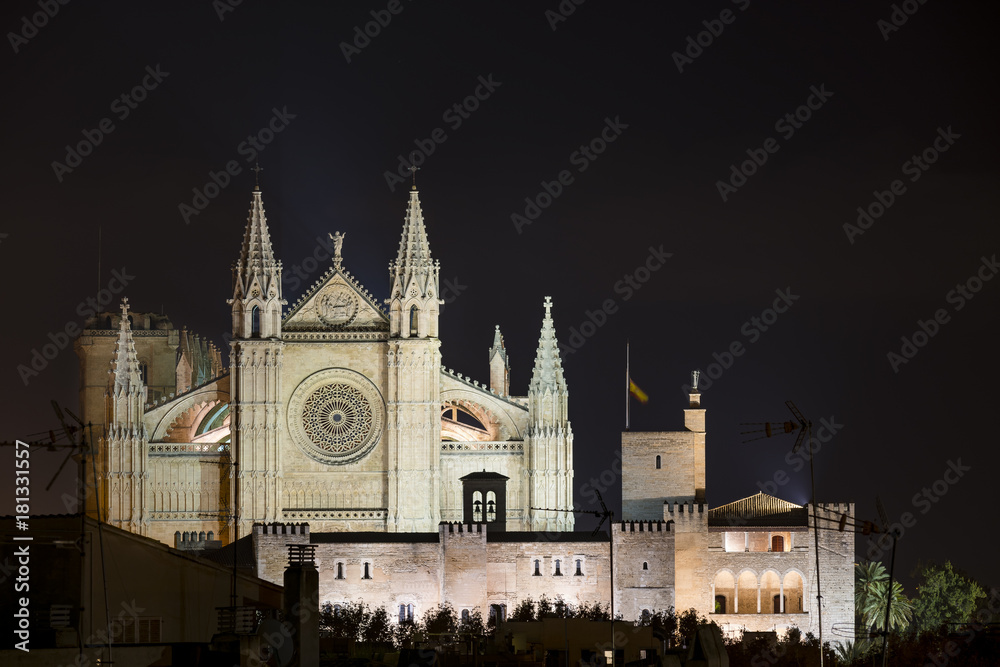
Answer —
(885, 96)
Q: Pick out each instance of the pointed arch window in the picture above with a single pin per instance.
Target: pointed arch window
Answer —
(558, 572)
(538, 568)
(255, 321)
(414, 318)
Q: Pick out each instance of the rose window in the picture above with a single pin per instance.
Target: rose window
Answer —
(337, 418)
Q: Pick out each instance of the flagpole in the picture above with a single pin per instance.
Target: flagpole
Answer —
(628, 378)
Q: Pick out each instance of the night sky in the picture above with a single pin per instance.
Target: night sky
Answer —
(739, 138)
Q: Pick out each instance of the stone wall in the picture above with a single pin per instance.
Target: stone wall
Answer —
(644, 567)
(644, 487)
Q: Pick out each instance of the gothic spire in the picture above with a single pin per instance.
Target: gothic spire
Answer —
(257, 255)
(413, 278)
(547, 373)
(498, 346)
(414, 251)
(126, 374)
(257, 297)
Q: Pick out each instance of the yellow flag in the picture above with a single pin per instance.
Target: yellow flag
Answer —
(639, 394)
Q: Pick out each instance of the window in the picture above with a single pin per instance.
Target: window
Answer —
(368, 573)
(777, 543)
(337, 609)
(558, 572)
(720, 604)
(657, 461)
(579, 568)
(498, 613)
(144, 372)
(406, 613)
(477, 506)
(645, 565)
(538, 568)
(465, 616)
(340, 570)
(414, 316)
(255, 321)
(645, 616)
(491, 506)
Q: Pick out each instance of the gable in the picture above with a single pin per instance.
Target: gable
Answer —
(337, 302)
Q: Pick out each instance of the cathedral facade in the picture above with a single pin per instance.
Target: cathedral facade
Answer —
(336, 425)
(334, 411)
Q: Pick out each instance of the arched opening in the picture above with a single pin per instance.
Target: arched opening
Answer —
(579, 567)
(792, 585)
(725, 593)
(538, 568)
(477, 506)
(657, 461)
(255, 321)
(367, 574)
(770, 594)
(645, 565)
(746, 602)
(340, 570)
(491, 506)
(558, 572)
(414, 320)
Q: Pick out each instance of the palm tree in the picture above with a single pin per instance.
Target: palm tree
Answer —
(871, 592)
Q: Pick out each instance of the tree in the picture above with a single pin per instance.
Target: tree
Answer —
(441, 620)
(944, 596)
(377, 628)
(871, 594)
(524, 611)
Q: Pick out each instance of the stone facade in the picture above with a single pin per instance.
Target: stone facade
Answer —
(336, 426)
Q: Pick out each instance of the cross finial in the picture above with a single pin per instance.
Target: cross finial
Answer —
(413, 170)
(257, 169)
(125, 305)
(548, 306)
(695, 375)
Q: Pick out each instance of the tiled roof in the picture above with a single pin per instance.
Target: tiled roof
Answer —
(757, 511)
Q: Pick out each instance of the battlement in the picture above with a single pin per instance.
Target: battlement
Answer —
(449, 530)
(681, 508)
(281, 529)
(192, 541)
(642, 526)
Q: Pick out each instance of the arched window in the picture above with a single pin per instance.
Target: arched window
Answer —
(558, 572)
(367, 574)
(657, 461)
(477, 506)
(645, 565)
(414, 317)
(538, 568)
(337, 609)
(255, 321)
(645, 616)
(491, 506)
(340, 570)
(720, 604)
(465, 616)
(579, 568)
(777, 543)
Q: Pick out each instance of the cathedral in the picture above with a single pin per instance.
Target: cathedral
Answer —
(336, 425)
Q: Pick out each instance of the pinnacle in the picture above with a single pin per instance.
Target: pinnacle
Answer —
(547, 373)
(126, 363)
